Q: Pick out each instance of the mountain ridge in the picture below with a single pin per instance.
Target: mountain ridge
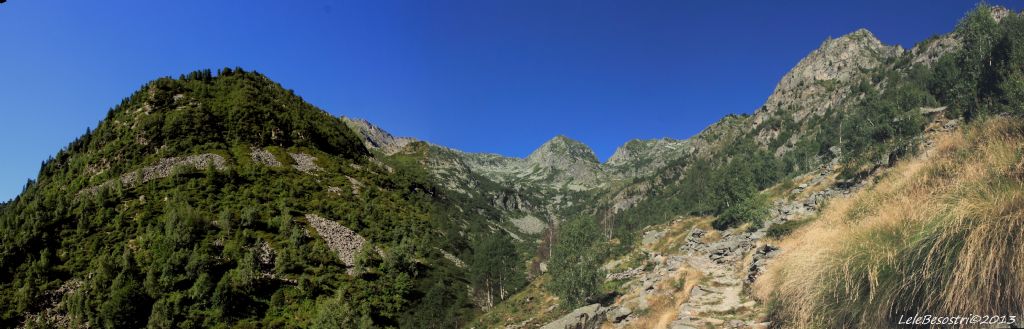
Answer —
(226, 200)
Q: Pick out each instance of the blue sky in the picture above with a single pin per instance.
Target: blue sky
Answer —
(483, 76)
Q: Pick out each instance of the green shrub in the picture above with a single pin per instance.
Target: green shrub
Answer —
(753, 210)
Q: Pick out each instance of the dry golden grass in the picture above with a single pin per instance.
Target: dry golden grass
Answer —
(942, 234)
(677, 231)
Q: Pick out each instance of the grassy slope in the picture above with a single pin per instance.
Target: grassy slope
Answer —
(939, 234)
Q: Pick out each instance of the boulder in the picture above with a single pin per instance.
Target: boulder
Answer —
(620, 314)
(760, 260)
(587, 317)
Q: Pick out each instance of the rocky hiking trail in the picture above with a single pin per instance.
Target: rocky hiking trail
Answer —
(685, 274)
(719, 299)
(691, 276)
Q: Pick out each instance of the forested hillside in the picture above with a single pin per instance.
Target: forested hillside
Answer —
(222, 199)
(226, 200)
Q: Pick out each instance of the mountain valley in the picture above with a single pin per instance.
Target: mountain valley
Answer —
(875, 182)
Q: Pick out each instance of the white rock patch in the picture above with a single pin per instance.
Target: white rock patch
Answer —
(343, 241)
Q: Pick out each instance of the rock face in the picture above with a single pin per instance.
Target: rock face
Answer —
(340, 239)
(929, 52)
(823, 78)
(376, 138)
(587, 317)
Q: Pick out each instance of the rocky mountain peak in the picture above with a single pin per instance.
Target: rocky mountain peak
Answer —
(375, 137)
(562, 150)
(823, 78)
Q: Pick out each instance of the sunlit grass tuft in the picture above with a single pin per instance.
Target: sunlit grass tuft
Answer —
(940, 235)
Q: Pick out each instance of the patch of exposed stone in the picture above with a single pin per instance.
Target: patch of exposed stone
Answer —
(587, 317)
(305, 163)
(929, 52)
(343, 241)
(529, 224)
(624, 275)
(264, 157)
(652, 237)
(455, 260)
(265, 255)
(164, 168)
(266, 259)
(55, 314)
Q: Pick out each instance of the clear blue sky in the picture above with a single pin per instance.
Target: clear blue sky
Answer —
(484, 76)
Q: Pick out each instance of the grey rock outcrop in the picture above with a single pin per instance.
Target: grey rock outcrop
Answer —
(376, 138)
(624, 275)
(587, 317)
(759, 261)
(821, 79)
(931, 51)
(451, 258)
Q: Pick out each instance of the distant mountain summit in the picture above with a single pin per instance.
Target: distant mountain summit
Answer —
(376, 138)
(561, 151)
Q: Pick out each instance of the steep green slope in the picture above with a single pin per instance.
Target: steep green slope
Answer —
(226, 200)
